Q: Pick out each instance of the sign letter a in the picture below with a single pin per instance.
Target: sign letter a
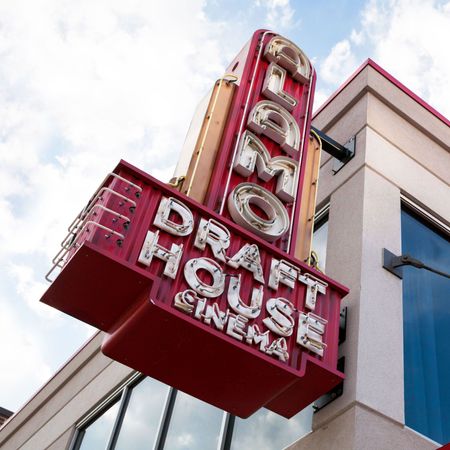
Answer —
(277, 123)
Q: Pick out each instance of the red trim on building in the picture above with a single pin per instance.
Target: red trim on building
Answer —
(393, 80)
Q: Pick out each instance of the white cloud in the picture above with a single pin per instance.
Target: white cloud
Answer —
(320, 96)
(30, 289)
(22, 365)
(357, 37)
(335, 68)
(266, 430)
(408, 38)
(411, 42)
(185, 440)
(279, 13)
(83, 84)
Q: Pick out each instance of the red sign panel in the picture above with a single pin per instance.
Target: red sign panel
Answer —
(259, 171)
(190, 298)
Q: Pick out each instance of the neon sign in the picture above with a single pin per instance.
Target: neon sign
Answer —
(209, 298)
(259, 167)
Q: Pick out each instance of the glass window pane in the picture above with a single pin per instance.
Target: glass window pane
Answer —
(319, 242)
(266, 430)
(140, 424)
(426, 316)
(194, 425)
(98, 433)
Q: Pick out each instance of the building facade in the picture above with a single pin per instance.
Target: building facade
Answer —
(393, 194)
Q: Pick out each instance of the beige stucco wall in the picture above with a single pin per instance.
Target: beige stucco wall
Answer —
(361, 428)
(401, 149)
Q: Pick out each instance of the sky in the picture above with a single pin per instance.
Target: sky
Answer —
(86, 83)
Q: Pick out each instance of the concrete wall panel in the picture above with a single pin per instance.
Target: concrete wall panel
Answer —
(408, 139)
(407, 174)
(380, 333)
(344, 263)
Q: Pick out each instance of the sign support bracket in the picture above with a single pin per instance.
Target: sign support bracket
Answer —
(342, 153)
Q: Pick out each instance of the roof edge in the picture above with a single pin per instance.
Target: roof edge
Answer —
(369, 62)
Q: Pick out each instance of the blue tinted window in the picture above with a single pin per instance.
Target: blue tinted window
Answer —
(426, 313)
(266, 430)
(96, 435)
(141, 420)
(194, 425)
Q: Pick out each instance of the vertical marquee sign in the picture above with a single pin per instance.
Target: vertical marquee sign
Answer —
(257, 176)
(209, 298)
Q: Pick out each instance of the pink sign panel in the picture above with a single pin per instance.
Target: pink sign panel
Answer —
(196, 301)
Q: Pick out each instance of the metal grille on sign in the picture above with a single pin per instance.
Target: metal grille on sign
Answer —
(90, 216)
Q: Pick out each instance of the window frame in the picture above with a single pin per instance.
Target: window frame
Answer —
(321, 217)
(428, 216)
(120, 394)
(124, 391)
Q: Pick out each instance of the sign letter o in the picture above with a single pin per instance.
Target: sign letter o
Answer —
(206, 290)
(246, 195)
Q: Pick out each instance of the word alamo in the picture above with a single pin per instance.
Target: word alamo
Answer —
(236, 321)
(274, 119)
